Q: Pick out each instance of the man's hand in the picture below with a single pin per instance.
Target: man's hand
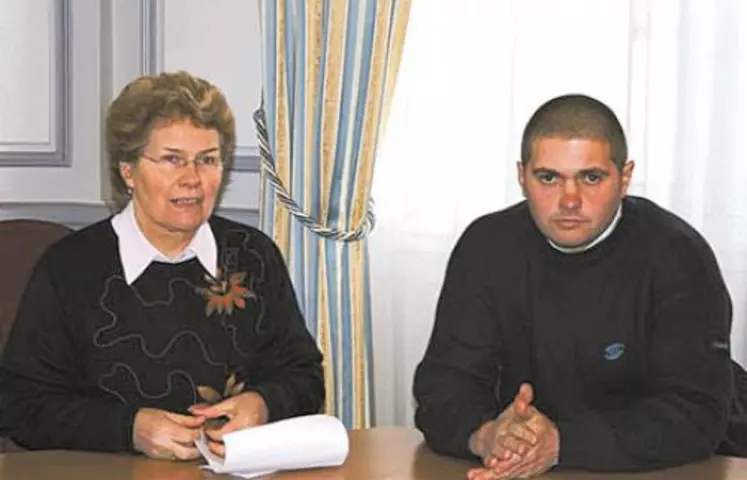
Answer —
(243, 410)
(539, 458)
(508, 451)
(166, 435)
(508, 435)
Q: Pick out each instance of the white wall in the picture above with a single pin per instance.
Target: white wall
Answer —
(219, 40)
(107, 43)
(28, 91)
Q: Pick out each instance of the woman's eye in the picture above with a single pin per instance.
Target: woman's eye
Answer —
(172, 159)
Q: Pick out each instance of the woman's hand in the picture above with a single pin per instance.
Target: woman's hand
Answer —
(244, 410)
(166, 435)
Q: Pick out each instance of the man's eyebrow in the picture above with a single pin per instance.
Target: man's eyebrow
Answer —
(586, 171)
(602, 172)
(539, 170)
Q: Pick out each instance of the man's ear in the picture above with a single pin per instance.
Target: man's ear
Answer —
(626, 176)
(520, 173)
(125, 171)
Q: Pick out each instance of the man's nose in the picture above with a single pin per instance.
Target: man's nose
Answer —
(571, 196)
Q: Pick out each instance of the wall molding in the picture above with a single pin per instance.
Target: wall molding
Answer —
(152, 13)
(78, 214)
(62, 88)
(151, 36)
(247, 159)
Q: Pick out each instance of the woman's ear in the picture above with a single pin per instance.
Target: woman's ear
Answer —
(126, 172)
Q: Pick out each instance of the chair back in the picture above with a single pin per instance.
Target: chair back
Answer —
(21, 244)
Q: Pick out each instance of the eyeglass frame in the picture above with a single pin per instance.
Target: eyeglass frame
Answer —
(184, 160)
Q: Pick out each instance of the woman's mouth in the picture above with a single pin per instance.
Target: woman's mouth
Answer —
(186, 201)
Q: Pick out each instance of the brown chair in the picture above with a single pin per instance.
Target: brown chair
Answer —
(21, 244)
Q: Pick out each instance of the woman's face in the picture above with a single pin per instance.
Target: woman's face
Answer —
(176, 181)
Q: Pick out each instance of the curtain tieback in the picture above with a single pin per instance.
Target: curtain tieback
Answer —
(268, 167)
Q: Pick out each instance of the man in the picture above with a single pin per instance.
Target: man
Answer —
(579, 328)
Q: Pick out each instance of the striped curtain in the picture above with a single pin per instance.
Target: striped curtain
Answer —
(328, 73)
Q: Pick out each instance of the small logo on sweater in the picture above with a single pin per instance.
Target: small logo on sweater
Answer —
(614, 351)
(718, 345)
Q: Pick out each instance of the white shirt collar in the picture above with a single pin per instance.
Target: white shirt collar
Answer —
(136, 252)
(606, 233)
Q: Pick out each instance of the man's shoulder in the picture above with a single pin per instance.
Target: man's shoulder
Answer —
(667, 233)
(503, 227)
(501, 237)
(662, 226)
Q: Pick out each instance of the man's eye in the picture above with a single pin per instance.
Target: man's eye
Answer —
(592, 178)
(547, 178)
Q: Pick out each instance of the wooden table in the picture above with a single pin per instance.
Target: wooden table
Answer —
(386, 453)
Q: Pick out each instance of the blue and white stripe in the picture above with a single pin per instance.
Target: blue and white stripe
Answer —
(328, 75)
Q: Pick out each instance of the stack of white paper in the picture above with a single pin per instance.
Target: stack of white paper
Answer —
(303, 442)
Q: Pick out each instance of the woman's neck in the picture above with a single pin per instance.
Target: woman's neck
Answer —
(168, 242)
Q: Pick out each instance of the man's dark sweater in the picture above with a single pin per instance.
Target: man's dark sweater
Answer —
(87, 350)
(625, 344)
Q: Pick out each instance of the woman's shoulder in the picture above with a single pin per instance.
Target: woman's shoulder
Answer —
(86, 243)
(85, 249)
(230, 232)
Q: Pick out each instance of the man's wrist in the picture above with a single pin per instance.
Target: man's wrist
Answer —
(477, 439)
(472, 443)
(556, 440)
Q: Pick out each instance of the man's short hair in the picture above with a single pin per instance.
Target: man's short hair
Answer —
(576, 116)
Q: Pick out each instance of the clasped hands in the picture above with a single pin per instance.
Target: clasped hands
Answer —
(521, 443)
(165, 435)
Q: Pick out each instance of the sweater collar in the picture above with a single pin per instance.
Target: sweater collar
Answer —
(136, 252)
(606, 233)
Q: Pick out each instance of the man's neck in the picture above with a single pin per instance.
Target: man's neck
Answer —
(599, 239)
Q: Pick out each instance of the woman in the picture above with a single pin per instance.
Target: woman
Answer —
(141, 331)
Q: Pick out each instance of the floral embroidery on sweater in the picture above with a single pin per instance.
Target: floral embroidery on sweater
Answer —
(225, 292)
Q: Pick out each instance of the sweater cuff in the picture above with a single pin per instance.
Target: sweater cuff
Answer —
(471, 426)
(128, 429)
(275, 398)
(449, 433)
(580, 442)
(571, 449)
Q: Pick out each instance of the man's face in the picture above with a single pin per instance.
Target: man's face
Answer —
(573, 188)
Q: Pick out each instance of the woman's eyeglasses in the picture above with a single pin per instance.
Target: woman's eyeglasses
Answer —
(176, 161)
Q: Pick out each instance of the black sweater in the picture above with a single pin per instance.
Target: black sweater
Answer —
(87, 350)
(626, 344)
